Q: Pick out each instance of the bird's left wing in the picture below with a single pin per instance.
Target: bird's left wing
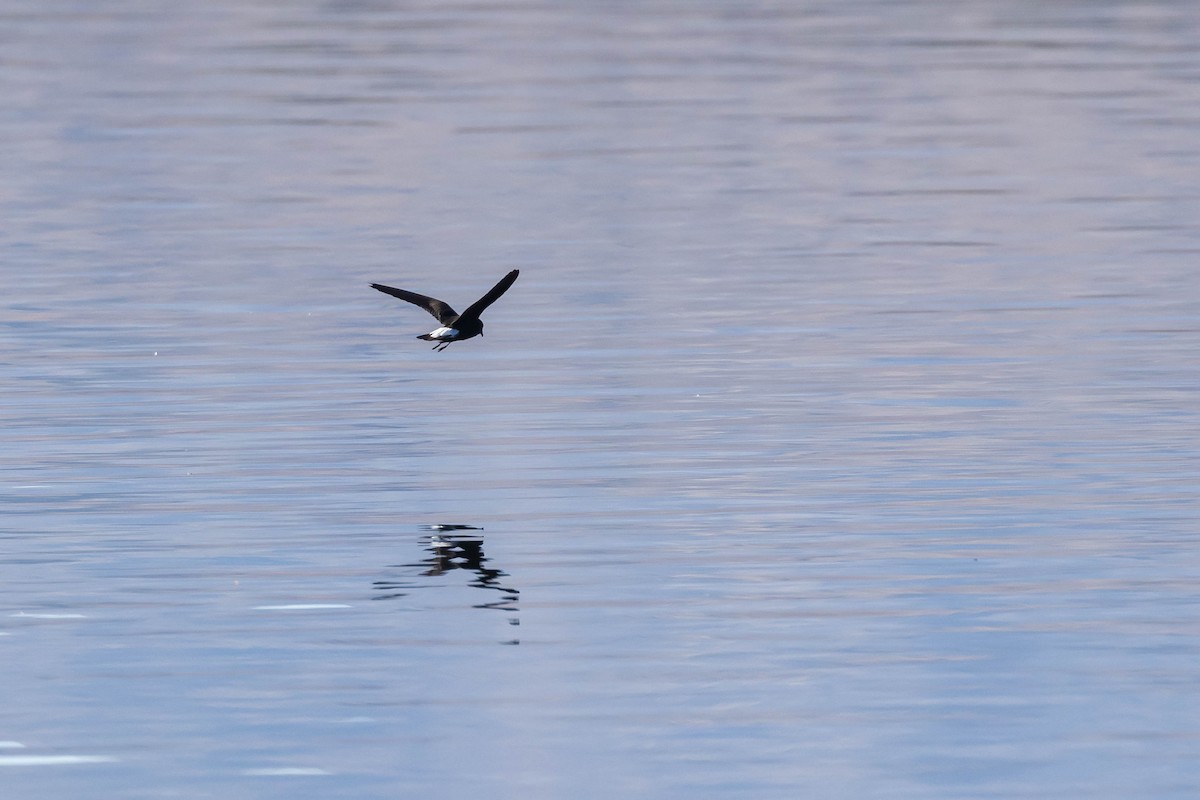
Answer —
(492, 296)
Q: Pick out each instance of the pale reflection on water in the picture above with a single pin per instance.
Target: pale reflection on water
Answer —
(839, 436)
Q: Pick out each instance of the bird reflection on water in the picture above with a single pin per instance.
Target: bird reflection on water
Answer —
(449, 548)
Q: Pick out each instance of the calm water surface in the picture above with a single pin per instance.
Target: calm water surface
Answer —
(838, 440)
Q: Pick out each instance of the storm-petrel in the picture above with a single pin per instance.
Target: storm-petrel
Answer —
(455, 326)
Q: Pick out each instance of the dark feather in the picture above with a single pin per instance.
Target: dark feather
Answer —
(492, 296)
(440, 311)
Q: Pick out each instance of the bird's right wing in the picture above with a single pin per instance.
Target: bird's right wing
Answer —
(442, 312)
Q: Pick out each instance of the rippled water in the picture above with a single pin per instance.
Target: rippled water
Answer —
(838, 440)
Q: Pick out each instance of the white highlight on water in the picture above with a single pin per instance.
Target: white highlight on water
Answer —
(51, 761)
(289, 771)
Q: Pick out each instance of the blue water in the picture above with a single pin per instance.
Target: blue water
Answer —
(839, 438)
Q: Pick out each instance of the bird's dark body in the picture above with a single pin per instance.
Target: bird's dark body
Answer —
(454, 326)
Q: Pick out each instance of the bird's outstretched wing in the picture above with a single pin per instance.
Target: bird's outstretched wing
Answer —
(492, 296)
(442, 312)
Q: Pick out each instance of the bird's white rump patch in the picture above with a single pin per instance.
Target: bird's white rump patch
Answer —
(443, 333)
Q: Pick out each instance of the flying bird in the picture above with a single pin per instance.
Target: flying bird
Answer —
(454, 326)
